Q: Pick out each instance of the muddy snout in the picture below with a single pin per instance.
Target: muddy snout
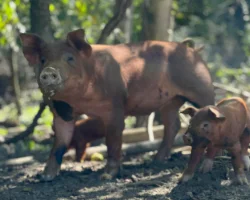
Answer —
(50, 77)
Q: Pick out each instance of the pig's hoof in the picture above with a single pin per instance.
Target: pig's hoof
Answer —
(241, 179)
(47, 177)
(207, 165)
(160, 157)
(106, 176)
(185, 178)
(246, 161)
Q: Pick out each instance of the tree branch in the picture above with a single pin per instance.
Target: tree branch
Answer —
(235, 91)
(29, 130)
(122, 6)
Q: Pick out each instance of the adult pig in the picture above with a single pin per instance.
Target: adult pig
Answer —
(226, 125)
(110, 82)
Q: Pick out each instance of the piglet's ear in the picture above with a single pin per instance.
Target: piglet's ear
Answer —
(77, 41)
(216, 114)
(31, 45)
(189, 111)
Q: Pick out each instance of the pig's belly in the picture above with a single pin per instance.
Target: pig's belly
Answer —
(145, 104)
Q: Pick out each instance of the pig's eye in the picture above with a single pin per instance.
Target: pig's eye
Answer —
(42, 60)
(70, 59)
(205, 126)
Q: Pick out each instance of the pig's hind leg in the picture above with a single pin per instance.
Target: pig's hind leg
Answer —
(237, 162)
(81, 151)
(245, 140)
(171, 121)
(114, 130)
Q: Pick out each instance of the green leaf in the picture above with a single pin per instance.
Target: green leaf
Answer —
(3, 131)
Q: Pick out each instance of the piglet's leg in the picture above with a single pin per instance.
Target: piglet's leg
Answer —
(81, 151)
(238, 163)
(63, 134)
(114, 144)
(207, 164)
(194, 159)
(245, 140)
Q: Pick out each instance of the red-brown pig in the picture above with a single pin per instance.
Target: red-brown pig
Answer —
(85, 132)
(110, 82)
(226, 126)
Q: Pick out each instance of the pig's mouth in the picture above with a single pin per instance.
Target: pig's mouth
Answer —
(51, 89)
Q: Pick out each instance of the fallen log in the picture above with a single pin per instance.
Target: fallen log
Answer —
(129, 135)
(129, 148)
(17, 161)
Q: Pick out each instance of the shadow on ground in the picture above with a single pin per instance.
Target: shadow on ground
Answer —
(139, 181)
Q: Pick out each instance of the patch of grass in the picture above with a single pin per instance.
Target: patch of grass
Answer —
(129, 122)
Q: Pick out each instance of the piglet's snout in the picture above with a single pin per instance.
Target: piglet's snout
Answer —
(50, 76)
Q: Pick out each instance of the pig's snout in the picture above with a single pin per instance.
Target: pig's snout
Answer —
(49, 77)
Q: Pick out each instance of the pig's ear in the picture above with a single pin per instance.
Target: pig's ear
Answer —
(189, 111)
(31, 45)
(216, 114)
(76, 39)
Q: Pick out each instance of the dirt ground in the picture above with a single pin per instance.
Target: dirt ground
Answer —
(140, 179)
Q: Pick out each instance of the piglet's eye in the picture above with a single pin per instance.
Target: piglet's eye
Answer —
(205, 126)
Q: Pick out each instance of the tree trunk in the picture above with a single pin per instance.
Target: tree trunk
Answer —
(158, 22)
(120, 10)
(128, 23)
(14, 78)
(40, 19)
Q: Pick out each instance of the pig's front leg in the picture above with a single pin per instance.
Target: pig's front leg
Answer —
(194, 159)
(238, 163)
(207, 164)
(63, 135)
(114, 130)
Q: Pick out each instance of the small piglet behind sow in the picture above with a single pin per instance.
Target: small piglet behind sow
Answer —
(225, 125)
(86, 131)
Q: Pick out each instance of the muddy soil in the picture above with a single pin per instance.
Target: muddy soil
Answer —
(140, 180)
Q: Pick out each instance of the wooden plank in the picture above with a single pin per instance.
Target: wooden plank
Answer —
(17, 161)
(134, 147)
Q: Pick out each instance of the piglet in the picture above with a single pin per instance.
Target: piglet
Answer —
(225, 125)
(86, 131)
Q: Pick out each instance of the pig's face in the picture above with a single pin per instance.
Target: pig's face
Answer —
(58, 66)
(203, 124)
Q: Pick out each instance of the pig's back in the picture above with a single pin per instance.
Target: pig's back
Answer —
(163, 70)
(235, 110)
